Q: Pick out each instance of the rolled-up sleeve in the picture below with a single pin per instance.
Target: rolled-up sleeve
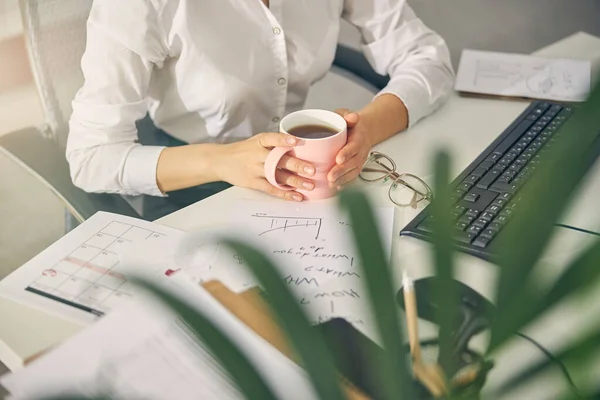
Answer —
(398, 44)
(124, 45)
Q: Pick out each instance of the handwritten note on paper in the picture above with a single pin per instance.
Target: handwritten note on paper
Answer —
(311, 243)
(506, 74)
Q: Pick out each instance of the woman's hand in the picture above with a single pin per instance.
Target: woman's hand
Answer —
(243, 164)
(354, 154)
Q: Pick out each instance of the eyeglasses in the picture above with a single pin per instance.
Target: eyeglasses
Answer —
(406, 189)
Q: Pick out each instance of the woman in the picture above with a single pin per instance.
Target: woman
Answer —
(218, 75)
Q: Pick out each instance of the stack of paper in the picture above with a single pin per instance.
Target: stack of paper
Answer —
(506, 74)
(143, 351)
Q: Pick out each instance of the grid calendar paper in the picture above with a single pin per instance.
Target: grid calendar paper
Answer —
(79, 277)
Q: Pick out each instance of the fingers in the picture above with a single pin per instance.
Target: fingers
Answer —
(264, 186)
(350, 116)
(347, 152)
(296, 165)
(272, 139)
(342, 174)
(287, 178)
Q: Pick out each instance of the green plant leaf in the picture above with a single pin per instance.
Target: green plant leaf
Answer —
(527, 236)
(445, 294)
(579, 276)
(378, 276)
(580, 352)
(309, 345)
(248, 380)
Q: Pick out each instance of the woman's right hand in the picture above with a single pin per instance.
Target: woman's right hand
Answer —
(243, 164)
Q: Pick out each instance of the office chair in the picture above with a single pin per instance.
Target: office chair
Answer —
(55, 38)
(55, 32)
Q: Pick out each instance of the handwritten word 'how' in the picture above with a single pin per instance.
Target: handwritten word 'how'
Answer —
(337, 293)
(291, 280)
(330, 271)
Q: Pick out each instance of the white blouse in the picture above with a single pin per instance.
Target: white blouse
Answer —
(224, 70)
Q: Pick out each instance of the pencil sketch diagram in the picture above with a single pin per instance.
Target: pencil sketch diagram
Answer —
(274, 224)
(497, 73)
(89, 277)
(541, 78)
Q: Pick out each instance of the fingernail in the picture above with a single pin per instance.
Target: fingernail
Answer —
(291, 140)
(341, 159)
(308, 185)
(339, 187)
(297, 197)
(309, 170)
(333, 177)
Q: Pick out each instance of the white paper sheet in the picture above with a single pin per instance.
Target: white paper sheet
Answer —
(80, 277)
(506, 74)
(143, 351)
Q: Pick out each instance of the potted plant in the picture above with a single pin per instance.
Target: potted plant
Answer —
(519, 301)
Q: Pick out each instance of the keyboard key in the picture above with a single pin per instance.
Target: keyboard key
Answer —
(493, 157)
(495, 226)
(509, 212)
(487, 165)
(460, 209)
(487, 216)
(503, 187)
(466, 219)
(460, 192)
(465, 237)
(500, 202)
(479, 172)
(466, 186)
(505, 196)
(504, 179)
(488, 179)
(475, 229)
(501, 219)
(512, 137)
(501, 167)
(471, 197)
(482, 241)
(494, 210)
(472, 212)
(455, 215)
(461, 226)
(489, 233)
(472, 179)
(482, 223)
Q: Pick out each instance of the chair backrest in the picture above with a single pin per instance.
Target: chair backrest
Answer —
(55, 32)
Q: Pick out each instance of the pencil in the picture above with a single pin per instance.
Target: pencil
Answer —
(410, 306)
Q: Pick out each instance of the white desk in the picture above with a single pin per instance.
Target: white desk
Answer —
(465, 126)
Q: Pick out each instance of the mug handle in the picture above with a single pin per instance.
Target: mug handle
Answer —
(271, 162)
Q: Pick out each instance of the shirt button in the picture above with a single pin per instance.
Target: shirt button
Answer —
(275, 119)
(276, 30)
(281, 81)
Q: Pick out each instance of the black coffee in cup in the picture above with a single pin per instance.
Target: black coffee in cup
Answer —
(313, 131)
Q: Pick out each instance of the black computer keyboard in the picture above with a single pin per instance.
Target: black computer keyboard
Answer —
(486, 193)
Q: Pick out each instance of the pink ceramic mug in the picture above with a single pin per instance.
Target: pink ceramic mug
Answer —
(320, 153)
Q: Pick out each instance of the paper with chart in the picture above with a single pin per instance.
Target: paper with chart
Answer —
(506, 74)
(80, 276)
(311, 244)
(143, 351)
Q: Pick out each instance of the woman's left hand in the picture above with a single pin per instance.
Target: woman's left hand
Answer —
(354, 154)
